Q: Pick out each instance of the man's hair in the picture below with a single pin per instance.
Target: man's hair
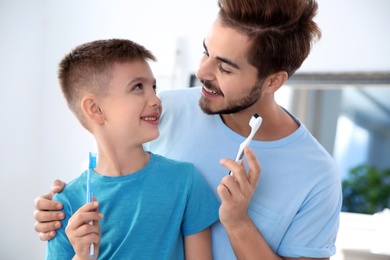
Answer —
(281, 31)
(88, 69)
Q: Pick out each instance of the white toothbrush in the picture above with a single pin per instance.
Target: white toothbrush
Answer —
(92, 164)
(255, 123)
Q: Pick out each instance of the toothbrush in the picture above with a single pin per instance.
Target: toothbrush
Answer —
(92, 164)
(255, 123)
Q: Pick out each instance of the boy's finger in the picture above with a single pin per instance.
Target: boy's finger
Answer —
(91, 206)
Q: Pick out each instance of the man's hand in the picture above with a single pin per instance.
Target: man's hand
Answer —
(48, 213)
(236, 191)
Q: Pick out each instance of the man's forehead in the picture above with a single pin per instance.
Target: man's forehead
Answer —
(226, 43)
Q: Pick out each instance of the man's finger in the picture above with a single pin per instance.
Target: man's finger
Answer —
(57, 186)
(45, 216)
(254, 167)
(45, 236)
(47, 227)
(239, 173)
(223, 192)
(231, 165)
(44, 203)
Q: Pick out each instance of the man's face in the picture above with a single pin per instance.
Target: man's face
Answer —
(229, 82)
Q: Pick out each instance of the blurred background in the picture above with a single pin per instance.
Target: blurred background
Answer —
(342, 94)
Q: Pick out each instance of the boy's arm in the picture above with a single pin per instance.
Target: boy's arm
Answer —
(198, 246)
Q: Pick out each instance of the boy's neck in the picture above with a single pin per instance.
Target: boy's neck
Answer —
(116, 163)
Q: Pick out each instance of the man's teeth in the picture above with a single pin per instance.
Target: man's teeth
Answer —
(210, 91)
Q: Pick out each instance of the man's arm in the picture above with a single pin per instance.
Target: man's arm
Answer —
(248, 243)
(198, 246)
(48, 214)
(236, 193)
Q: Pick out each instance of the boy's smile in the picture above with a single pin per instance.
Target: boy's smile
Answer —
(132, 108)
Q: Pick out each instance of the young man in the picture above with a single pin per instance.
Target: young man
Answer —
(292, 212)
(154, 207)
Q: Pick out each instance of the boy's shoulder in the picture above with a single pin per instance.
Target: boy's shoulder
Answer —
(172, 163)
(175, 170)
(75, 185)
(73, 194)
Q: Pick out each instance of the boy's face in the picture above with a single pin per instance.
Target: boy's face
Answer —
(229, 82)
(131, 108)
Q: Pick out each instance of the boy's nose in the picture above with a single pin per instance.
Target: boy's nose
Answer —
(155, 101)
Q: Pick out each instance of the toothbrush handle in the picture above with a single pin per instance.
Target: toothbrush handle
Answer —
(92, 250)
(239, 161)
(240, 153)
(92, 246)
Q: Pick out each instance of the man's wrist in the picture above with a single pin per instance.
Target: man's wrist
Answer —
(238, 225)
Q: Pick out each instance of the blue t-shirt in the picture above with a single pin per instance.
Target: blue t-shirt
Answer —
(146, 213)
(298, 199)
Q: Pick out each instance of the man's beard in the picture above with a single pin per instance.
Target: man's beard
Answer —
(236, 105)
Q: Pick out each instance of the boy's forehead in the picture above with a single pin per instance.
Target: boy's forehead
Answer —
(136, 65)
(130, 70)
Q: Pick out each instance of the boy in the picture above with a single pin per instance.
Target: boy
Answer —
(153, 207)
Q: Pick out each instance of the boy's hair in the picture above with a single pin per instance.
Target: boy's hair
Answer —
(88, 69)
(281, 31)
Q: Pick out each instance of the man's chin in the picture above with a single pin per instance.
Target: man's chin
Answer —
(205, 106)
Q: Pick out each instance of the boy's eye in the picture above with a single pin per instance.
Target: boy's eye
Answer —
(138, 86)
(205, 53)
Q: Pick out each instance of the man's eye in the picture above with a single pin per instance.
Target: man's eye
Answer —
(222, 70)
(206, 53)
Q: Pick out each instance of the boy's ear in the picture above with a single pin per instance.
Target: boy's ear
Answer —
(92, 110)
(275, 81)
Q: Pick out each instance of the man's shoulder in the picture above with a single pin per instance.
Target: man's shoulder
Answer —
(179, 93)
(179, 103)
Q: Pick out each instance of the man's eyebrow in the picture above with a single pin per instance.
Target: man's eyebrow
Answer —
(224, 60)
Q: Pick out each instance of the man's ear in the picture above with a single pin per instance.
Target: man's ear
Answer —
(275, 81)
(92, 110)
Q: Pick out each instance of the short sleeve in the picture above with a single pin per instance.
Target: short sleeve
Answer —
(202, 206)
(314, 229)
(60, 247)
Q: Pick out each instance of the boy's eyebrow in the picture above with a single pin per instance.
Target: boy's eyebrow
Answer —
(142, 79)
(224, 60)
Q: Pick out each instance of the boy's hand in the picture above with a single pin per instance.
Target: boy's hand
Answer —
(48, 213)
(81, 233)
